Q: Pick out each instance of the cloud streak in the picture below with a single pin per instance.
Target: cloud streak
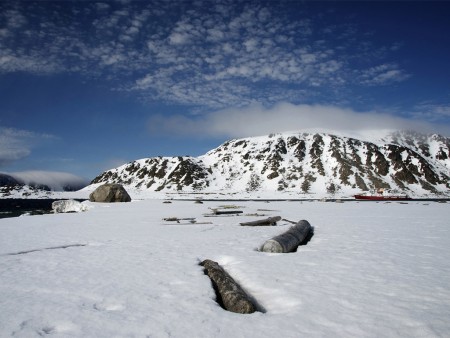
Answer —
(383, 75)
(16, 144)
(432, 111)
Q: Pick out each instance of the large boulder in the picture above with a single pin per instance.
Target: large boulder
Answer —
(110, 193)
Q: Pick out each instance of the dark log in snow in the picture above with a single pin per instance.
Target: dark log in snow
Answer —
(286, 220)
(176, 219)
(289, 240)
(232, 296)
(226, 212)
(267, 221)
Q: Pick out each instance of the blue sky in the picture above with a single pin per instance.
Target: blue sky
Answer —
(86, 86)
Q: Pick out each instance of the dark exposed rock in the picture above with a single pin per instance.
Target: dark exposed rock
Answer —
(241, 143)
(188, 173)
(298, 146)
(360, 183)
(254, 183)
(280, 147)
(308, 179)
(377, 182)
(345, 172)
(273, 175)
(379, 164)
(316, 152)
(442, 155)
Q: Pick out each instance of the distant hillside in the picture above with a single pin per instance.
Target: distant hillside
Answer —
(7, 180)
(301, 162)
(38, 182)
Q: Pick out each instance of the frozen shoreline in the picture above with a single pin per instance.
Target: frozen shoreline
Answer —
(371, 270)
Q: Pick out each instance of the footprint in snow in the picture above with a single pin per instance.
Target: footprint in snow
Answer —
(108, 306)
(41, 327)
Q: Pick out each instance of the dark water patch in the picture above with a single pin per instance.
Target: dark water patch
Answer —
(17, 213)
(14, 207)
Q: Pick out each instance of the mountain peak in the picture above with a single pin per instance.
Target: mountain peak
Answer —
(301, 162)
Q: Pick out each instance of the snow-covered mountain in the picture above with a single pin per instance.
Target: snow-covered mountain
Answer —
(305, 163)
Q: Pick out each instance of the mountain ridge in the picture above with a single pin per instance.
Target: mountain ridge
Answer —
(307, 163)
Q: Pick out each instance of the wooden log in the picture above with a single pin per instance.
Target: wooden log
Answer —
(232, 297)
(190, 223)
(266, 221)
(289, 240)
(226, 212)
(176, 219)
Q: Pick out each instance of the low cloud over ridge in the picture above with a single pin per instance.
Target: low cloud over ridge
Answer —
(55, 180)
(257, 120)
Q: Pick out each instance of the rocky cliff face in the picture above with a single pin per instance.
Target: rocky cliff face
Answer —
(307, 163)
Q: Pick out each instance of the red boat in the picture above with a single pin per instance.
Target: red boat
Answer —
(383, 195)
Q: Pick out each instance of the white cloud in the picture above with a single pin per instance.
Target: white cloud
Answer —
(256, 120)
(15, 19)
(102, 6)
(383, 74)
(432, 111)
(215, 35)
(54, 179)
(178, 38)
(215, 56)
(16, 144)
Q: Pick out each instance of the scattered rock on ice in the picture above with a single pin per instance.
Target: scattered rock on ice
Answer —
(110, 193)
(63, 206)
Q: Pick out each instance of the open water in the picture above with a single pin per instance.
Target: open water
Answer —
(14, 207)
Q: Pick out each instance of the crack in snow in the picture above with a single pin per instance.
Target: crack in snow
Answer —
(48, 248)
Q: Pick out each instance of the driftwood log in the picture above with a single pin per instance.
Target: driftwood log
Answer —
(226, 212)
(232, 297)
(266, 221)
(176, 219)
(289, 240)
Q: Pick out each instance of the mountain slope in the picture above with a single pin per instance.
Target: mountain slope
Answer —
(300, 162)
(7, 180)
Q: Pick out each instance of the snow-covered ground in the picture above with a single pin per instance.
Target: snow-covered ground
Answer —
(119, 270)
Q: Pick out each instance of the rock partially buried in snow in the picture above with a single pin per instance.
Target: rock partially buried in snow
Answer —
(110, 193)
(64, 206)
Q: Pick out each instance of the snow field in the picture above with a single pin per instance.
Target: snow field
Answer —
(119, 270)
